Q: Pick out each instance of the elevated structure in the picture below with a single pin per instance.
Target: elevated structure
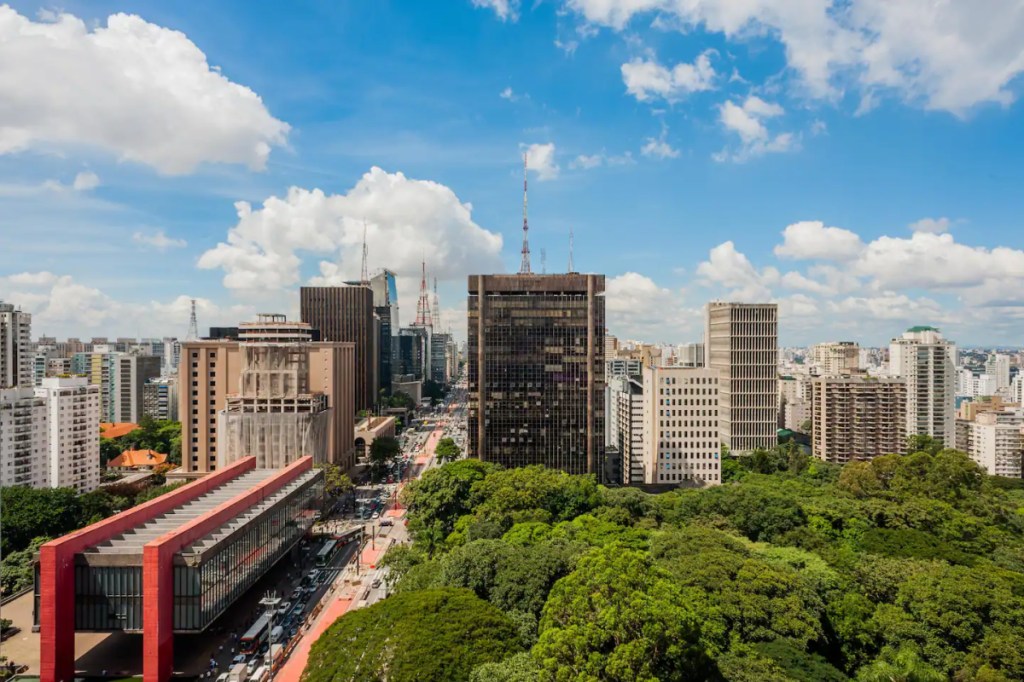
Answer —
(170, 565)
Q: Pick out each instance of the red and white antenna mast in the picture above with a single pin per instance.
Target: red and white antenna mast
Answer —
(364, 273)
(524, 267)
(423, 316)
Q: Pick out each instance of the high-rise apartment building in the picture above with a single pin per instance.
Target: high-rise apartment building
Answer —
(998, 366)
(925, 359)
(15, 347)
(160, 398)
(128, 387)
(625, 417)
(741, 344)
(835, 357)
(536, 370)
(274, 370)
(24, 438)
(681, 425)
(995, 440)
(858, 417)
(73, 422)
(345, 315)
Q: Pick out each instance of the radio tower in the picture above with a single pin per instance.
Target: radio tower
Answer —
(436, 309)
(543, 261)
(364, 273)
(193, 325)
(571, 267)
(423, 316)
(524, 267)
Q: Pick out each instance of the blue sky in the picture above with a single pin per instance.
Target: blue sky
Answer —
(859, 162)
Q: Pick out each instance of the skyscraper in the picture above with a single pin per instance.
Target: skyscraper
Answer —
(741, 343)
(15, 347)
(345, 315)
(858, 417)
(536, 370)
(926, 360)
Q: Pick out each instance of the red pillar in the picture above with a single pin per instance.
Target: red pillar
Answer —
(56, 614)
(157, 612)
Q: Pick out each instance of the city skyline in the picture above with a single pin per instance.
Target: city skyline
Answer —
(695, 154)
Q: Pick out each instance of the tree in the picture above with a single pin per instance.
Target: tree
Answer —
(336, 483)
(619, 617)
(402, 399)
(442, 495)
(383, 452)
(447, 450)
(16, 571)
(33, 512)
(434, 634)
(517, 668)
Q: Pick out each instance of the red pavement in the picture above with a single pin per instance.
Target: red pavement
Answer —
(296, 663)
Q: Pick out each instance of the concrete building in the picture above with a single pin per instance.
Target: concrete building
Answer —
(412, 354)
(994, 439)
(385, 307)
(172, 565)
(15, 347)
(73, 422)
(858, 417)
(536, 370)
(24, 438)
(128, 387)
(622, 367)
(160, 398)
(1017, 389)
(925, 359)
(681, 426)
(626, 425)
(741, 345)
(273, 391)
(345, 315)
(439, 343)
(691, 355)
(409, 385)
(835, 357)
(998, 367)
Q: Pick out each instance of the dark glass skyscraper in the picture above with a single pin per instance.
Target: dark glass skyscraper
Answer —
(345, 314)
(536, 370)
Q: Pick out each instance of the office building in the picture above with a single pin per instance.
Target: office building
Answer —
(439, 343)
(626, 425)
(160, 398)
(127, 389)
(835, 357)
(858, 417)
(272, 393)
(536, 370)
(24, 438)
(741, 345)
(345, 315)
(998, 367)
(995, 440)
(15, 347)
(690, 355)
(680, 426)
(925, 359)
(411, 353)
(73, 423)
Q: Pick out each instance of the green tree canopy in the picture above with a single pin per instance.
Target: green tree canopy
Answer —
(383, 452)
(447, 450)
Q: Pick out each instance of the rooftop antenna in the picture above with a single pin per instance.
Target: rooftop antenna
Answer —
(193, 326)
(524, 267)
(571, 266)
(423, 316)
(544, 261)
(364, 275)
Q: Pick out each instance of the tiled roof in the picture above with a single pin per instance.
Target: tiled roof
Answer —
(137, 458)
(116, 429)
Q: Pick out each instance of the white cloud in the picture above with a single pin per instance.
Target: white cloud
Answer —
(591, 161)
(586, 162)
(85, 181)
(746, 120)
(727, 267)
(32, 279)
(507, 10)
(134, 89)
(637, 307)
(659, 148)
(646, 79)
(541, 159)
(941, 55)
(158, 240)
(511, 95)
(407, 220)
(931, 225)
(812, 240)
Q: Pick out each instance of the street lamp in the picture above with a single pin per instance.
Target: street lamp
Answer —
(270, 601)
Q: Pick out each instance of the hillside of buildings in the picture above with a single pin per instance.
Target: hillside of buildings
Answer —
(907, 567)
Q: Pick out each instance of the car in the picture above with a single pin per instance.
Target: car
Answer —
(223, 677)
(300, 609)
(375, 584)
(284, 607)
(387, 522)
(240, 658)
(253, 663)
(376, 515)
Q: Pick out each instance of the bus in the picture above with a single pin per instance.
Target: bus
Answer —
(255, 636)
(326, 553)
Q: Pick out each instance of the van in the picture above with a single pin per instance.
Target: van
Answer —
(276, 634)
(259, 675)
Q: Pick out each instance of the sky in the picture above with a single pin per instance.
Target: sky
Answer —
(859, 162)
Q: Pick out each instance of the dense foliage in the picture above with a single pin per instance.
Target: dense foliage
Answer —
(384, 450)
(447, 450)
(438, 634)
(903, 568)
(161, 435)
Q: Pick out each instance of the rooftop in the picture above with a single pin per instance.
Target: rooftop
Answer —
(137, 458)
(116, 429)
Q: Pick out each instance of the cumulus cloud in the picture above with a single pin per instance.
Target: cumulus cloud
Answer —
(945, 56)
(406, 221)
(727, 267)
(747, 121)
(590, 161)
(587, 161)
(507, 10)
(659, 148)
(931, 225)
(638, 307)
(137, 90)
(812, 240)
(158, 240)
(646, 79)
(85, 181)
(540, 158)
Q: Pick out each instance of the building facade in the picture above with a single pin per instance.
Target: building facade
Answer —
(24, 438)
(626, 425)
(345, 315)
(160, 398)
(15, 347)
(835, 357)
(73, 422)
(129, 386)
(995, 440)
(536, 370)
(681, 426)
(858, 417)
(741, 345)
(926, 360)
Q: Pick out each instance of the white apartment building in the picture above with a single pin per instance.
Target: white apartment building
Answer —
(741, 345)
(794, 401)
(925, 359)
(835, 357)
(127, 388)
(626, 425)
(681, 425)
(16, 358)
(24, 438)
(1017, 389)
(984, 385)
(995, 440)
(998, 367)
(73, 422)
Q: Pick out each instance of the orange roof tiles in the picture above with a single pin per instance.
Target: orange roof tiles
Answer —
(116, 429)
(130, 459)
